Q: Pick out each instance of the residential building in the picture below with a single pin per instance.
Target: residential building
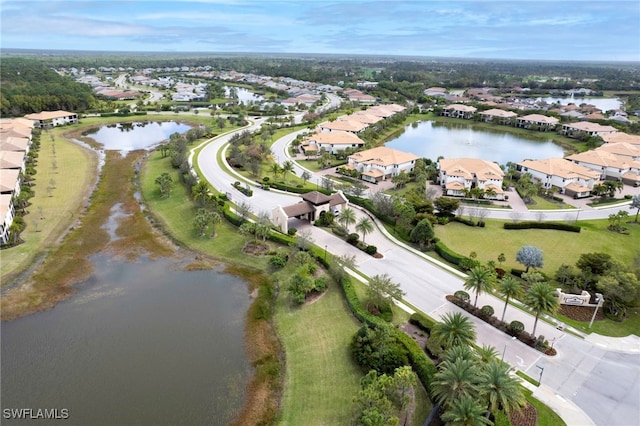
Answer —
(537, 122)
(7, 213)
(459, 111)
(49, 119)
(586, 128)
(621, 137)
(632, 152)
(309, 208)
(343, 126)
(381, 163)
(331, 142)
(499, 116)
(609, 165)
(570, 178)
(458, 175)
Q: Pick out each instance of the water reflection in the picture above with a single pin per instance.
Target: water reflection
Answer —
(137, 135)
(429, 139)
(603, 104)
(141, 343)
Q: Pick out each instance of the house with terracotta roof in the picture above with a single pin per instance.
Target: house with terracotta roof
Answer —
(586, 128)
(621, 137)
(623, 149)
(609, 165)
(458, 175)
(343, 126)
(572, 179)
(459, 111)
(309, 208)
(49, 119)
(537, 122)
(331, 142)
(381, 163)
(354, 95)
(496, 115)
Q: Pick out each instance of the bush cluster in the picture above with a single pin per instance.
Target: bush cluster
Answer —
(542, 225)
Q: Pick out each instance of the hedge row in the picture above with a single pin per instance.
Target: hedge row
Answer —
(542, 225)
(421, 321)
(121, 114)
(295, 189)
(424, 368)
(368, 205)
(447, 254)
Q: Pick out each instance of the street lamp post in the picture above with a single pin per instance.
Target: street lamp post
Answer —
(541, 371)
(505, 348)
(599, 302)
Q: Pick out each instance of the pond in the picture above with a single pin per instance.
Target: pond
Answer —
(603, 104)
(137, 135)
(244, 95)
(142, 343)
(429, 139)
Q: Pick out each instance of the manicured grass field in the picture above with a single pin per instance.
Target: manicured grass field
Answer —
(321, 379)
(179, 210)
(559, 247)
(51, 212)
(542, 204)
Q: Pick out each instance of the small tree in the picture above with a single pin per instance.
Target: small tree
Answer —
(422, 233)
(529, 256)
(382, 291)
(509, 287)
(479, 281)
(635, 204)
(542, 300)
(347, 217)
(166, 183)
(364, 226)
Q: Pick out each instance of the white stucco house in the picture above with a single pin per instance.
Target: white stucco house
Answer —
(572, 179)
(457, 175)
(381, 163)
(331, 142)
(48, 119)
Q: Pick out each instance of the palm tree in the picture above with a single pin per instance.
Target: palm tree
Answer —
(347, 217)
(479, 281)
(287, 167)
(501, 390)
(487, 354)
(465, 411)
(454, 329)
(365, 226)
(509, 287)
(275, 170)
(455, 380)
(200, 192)
(457, 352)
(541, 298)
(214, 218)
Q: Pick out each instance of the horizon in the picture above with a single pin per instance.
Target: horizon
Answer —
(569, 31)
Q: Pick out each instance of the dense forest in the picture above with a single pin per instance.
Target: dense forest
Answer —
(30, 86)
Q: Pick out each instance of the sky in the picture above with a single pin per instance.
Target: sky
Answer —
(607, 30)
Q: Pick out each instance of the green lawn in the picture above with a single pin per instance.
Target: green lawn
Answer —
(546, 416)
(51, 213)
(544, 204)
(558, 246)
(321, 378)
(179, 210)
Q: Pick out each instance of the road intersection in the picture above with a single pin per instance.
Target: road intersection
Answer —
(590, 381)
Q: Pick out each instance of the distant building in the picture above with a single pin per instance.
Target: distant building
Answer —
(331, 142)
(537, 122)
(459, 111)
(49, 119)
(586, 128)
(499, 116)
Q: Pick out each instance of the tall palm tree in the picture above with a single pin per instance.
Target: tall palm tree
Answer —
(347, 217)
(275, 170)
(465, 411)
(501, 390)
(214, 218)
(364, 226)
(479, 281)
(454, 329)
(455, 380)
(509, 287)
(287, 167)
(541, 298)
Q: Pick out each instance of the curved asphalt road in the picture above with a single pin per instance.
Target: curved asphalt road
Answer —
(585, 382)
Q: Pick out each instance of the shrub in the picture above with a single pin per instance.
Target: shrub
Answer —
(542, 225)
(265, 179)
(517, 272)
(487, 311)
(378, 349)
(371, 250)
(516, 328)
(320, 284)
(278, 261)
(340, 231)
(421, 321)
(353, 238)
(292, 231)
(462, 296)
(448, 254)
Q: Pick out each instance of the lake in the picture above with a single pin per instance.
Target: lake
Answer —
(604, 104)
(244, 96)
(137, 135)
(429, 139)
(142, 343)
